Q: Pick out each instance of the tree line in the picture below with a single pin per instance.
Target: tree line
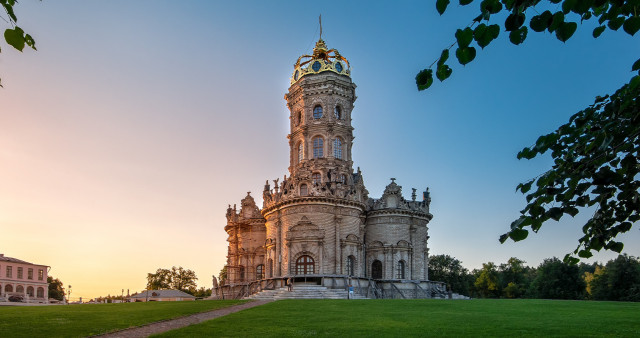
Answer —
(176, 279)
(617, 280)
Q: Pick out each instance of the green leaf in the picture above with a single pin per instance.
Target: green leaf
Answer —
(573, 211)
(518, 36)
(556, 21)
(30, 42)
(598, 31)
(464, 37)
(444, 56)
(566, 30)
(441, 6)
(541, 22)
(491, 6)
(484, 34)
(465, 2)
(518, 234)
(636, 66)
(585, 253)
(9, 8)
(632, 25)
(424, 79)
(465, 55)
(555, 213)
(443, 72)
(615, 246)
(15, 37)
(568, 5)
(615, 24)
(514, 21)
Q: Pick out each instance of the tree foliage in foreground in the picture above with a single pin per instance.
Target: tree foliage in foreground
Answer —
(596, 153)
(14, 36)
(175, 279)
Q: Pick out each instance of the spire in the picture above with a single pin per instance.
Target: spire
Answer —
(320, 20)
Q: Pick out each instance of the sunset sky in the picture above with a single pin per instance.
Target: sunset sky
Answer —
(126, 135)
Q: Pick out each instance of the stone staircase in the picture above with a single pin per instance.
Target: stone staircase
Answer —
(303, 292)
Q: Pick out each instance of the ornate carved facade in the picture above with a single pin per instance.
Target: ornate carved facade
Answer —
(320, 221)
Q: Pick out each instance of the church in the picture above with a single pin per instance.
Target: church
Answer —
(318, 225)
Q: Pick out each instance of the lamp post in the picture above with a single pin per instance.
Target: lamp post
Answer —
(69, 295)
(122, 296)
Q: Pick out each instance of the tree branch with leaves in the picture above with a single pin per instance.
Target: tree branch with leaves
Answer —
(14, 36)
(596, 154)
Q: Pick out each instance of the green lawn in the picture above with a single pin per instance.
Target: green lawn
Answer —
(90, 319)
(401, 318)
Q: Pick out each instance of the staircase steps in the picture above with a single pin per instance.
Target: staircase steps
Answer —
(304, 292)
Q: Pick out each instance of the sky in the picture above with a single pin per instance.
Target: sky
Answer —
(124, 137)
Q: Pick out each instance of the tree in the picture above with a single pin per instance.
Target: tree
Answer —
(596, 153)
(619, 280)
(487, 282)
(56, 289)
(176, 279)
(223, 275)
(513, 277)
(447, 269)
(15, 36)
(556, 279)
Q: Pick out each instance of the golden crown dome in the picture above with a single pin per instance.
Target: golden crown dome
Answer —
(323, 59)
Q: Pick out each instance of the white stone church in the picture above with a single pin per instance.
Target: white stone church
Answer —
(318, 225)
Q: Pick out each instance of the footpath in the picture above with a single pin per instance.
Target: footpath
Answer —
(172, 324)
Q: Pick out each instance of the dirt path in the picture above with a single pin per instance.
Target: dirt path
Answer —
(159, 327)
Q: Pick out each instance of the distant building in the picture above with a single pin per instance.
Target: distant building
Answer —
(161, 296)
(24, 279)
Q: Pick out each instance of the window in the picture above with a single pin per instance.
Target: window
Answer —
(300, 149)
(303, 190)
(343, 179)
(270, 271)
(9, 273)
(260, 271)
(20, 289)
(305, 265)
(376, 269)
(337, 113)
(298, 118)
(400, 270)
(351, 266)
(40, 292)
(241, 273)
(30, 273)
(315, 178)
(30, 291)
(337, 148)
(20, 273)
(318, 147)
(317, 112)
(40, 274)
(8, 288)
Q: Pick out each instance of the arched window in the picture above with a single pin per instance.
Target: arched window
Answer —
(260, 271)
(40, 293)
(300, 152)
(317, 112)
(241, 273)
(20, 289)
(305, 265)
(337, 113)
(316, 178)
(351, 266)
(400, 270)
(376, 269)
(270, 267)
(8, 288)
(304, 191)
(30, 291)
(337, 148)
(318, 147)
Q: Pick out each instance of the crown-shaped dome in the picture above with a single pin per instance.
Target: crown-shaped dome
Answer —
(323, 59)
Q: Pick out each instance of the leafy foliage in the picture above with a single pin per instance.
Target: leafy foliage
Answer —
(618, 280)
(595, 154)
(56, 289)
(447, 269)
(556, 279)
(15, 36)
(176, 279)
(487, 282)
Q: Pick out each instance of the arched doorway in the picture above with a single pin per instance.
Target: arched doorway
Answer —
(305, 265)
(8, 288)
(40, 292)
(20, 289)
(30, 291)
(376, 269)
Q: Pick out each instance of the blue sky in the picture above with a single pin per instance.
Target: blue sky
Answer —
(125, 136)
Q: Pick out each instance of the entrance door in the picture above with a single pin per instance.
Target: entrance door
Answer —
(376, 269)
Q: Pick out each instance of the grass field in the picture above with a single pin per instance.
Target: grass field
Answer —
(90, 319)
(401, 318)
